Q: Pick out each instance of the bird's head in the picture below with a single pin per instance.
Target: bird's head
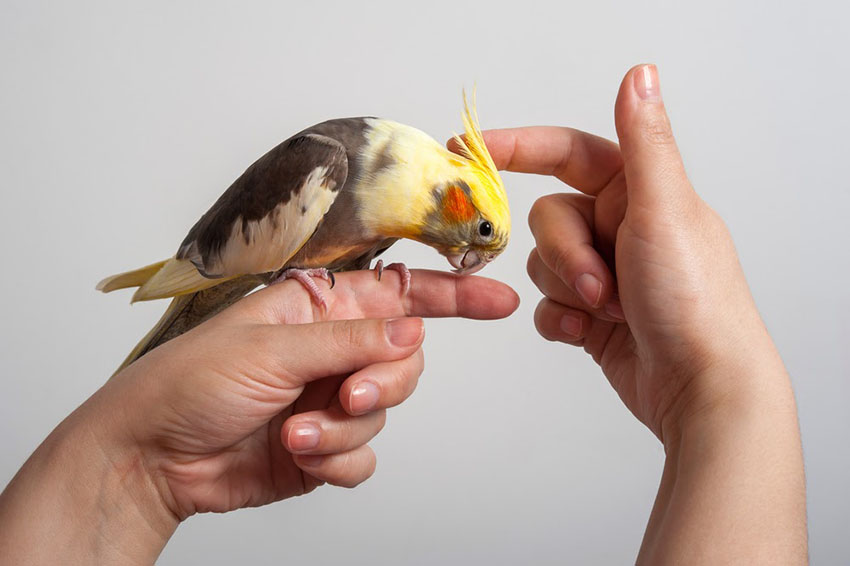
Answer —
(471, 222)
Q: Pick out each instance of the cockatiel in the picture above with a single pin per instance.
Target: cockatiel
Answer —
(331, 197)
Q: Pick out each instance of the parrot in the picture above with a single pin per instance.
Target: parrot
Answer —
(331, 198)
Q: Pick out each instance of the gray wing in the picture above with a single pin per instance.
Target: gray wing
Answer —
(270, 211)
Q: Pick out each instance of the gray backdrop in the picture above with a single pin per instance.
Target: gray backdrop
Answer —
(119, 125)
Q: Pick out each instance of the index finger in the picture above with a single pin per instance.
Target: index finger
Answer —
(581, 160)
(359, 294)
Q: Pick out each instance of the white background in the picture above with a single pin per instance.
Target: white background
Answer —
(120, 125)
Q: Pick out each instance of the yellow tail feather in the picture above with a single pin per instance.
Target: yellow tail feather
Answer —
(170, 278)
(177, 277)
(134, 278)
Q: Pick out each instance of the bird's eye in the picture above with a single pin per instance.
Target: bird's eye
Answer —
(485, 229)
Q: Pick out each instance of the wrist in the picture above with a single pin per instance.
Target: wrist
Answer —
(733, 474)
(90, 494)
(131, 502)
(747, 384)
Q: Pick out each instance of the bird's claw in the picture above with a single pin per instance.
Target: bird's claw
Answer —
(402, 270)
(305, 277)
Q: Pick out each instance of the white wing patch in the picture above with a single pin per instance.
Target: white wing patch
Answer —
(267, 244)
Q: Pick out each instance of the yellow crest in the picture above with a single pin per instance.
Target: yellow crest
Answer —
(473, 148)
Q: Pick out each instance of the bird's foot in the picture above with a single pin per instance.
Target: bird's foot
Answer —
(403, 272)
(305, 277)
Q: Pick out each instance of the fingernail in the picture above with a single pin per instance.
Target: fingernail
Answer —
(615, 310)
(303, 437)
(311, 461)
(646, 83)
(589, 288)
(404, 331)
(571, 325)
(364, 397)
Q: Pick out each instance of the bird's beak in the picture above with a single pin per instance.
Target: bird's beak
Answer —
(467, 262)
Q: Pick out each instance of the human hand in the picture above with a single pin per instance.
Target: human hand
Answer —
(643, 274)
(267, 400)
(275, 395)
(637, 268)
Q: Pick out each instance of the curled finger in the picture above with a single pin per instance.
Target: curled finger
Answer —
(381, 385)
(556, 289)
(560, 323)
(329, 431)
(344, 469)
(562, 225)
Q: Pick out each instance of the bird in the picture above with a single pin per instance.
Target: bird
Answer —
(331, 198)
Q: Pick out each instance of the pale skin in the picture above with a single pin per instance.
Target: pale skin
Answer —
(673, 327)
(217, 419)
(635, 268)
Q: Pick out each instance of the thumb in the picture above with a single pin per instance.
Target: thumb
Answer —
(305, 352)
(653, 167)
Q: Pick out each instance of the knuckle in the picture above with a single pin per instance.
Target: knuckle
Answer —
(381, 418)
(539, 208)
(345, 431)
(407, 384)
(543, 331)
(397, 380)
(362, 468)
(349, 334)
(656, 130)
(371, 463)
(419, 362)
(540, 321)
(534, 213)
(405, 377)
(532, 265)
(559, 259)
(345, 474)
(411, 368)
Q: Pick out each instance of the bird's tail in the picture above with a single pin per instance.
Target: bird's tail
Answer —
(135, 278)
(195, 298)
(188, 311)
(168, 278)
(156, 334)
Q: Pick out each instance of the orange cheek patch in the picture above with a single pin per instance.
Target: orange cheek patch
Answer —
(456, 205)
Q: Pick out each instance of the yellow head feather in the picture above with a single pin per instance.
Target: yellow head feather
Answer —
(492, 200)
